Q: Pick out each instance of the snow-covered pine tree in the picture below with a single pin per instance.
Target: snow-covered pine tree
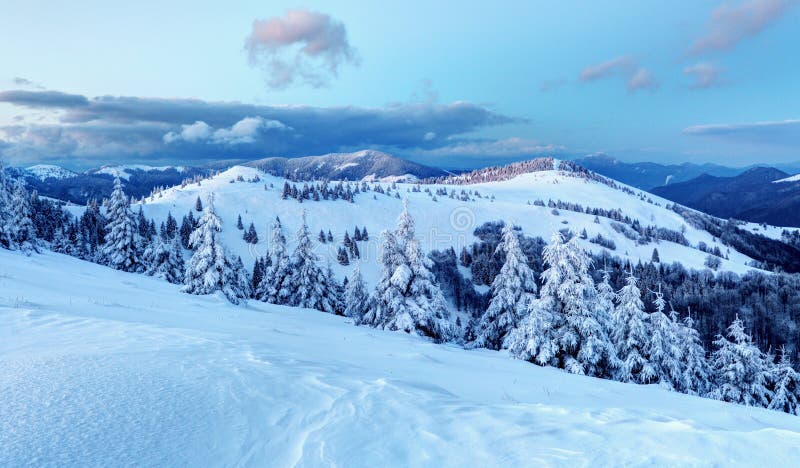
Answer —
(664, 348)
(239, 224)
(236, 281)
(22, 230)
(274, 287)
(163, 258)
(696, 369)
(5, 209)
(356, 297)
(121, 248)
(309, 286)
(407, 297)
(206, 270)
(741, 370)
(513, 290)
(171, 226)
(198, 205)
(631, 335)
(786, 386)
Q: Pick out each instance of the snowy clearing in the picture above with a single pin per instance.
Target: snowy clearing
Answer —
(104, 368)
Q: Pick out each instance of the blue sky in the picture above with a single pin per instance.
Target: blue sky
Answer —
(453, 84)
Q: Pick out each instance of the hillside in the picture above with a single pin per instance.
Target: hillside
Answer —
(171, 379)
(755, 195)
(446, 222)
(361, 165)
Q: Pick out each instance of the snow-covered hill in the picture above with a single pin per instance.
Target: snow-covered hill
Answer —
(442, 223)
(104, 368)
(49, 171)
(360, 165)
(126, 170)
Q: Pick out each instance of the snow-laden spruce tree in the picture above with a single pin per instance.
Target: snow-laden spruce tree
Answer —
(741, 370)
(407, 297)
(786, 386)
(356, 297)
(631, 335)
(513, 290)
(236, 281)
(309, 285)
(665, 348)
(121, 248)
(5, 209)
(274, 287)
(23, 232)
(572, 328)
(206, 270)
(163, 259)
(696, 379)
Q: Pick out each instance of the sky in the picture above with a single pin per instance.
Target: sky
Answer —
(452, 84)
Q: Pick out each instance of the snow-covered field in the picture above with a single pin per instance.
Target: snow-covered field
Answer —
(440, 224)
(104, 368)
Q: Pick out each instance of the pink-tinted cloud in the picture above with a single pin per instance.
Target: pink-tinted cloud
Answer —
(619, 65)
(302, 47)
(705, 75)
(636, 77)
(730, 24)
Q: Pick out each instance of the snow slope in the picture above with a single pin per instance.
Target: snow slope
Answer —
(124, 171)
(104, 368)
(441, 224)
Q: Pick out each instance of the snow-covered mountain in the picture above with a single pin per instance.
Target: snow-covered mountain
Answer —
(361, 165)
(106, 368)
(49, 171)
(125, 171)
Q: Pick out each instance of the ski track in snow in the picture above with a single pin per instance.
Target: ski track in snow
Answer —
(156, 377)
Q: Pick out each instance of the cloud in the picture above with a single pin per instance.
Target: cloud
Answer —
(619, 65)
(705, 75)
(642, 79)
(636, 77)
(550, 85)
(776, 133)
(43, 99)
(244, 131)
(191, 131)
(302, 47)
(730, 24)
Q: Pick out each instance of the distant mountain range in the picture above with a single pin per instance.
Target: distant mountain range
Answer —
(139, 180)
(78, 187)
(361, 165)
(761, 194)
(648, 175)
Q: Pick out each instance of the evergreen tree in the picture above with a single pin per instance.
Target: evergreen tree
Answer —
(259, 266)
(239, 224)
(187, 227)
(354, 252)
(364, 234)
(21, 228)
(664, 348)
(696, 370)
(207, 269)
(356, 234)
(236, 282)
(121, 248)
(5, 209)
(310, 286)
(631, 335)
(198, 205)
(330, 236)
(341, 256)
(142, 226)
(741, 370)
(407, 297)
(321, 237)
(164, 259)
(513, 290)
(356, 297)
(786, 394)
(171, 227)
(274, 288)
(655, 257)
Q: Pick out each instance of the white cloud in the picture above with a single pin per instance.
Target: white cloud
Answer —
(243, 131)
(636, 77)
(705, 75)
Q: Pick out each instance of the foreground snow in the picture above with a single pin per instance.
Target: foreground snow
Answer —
(104, 368)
